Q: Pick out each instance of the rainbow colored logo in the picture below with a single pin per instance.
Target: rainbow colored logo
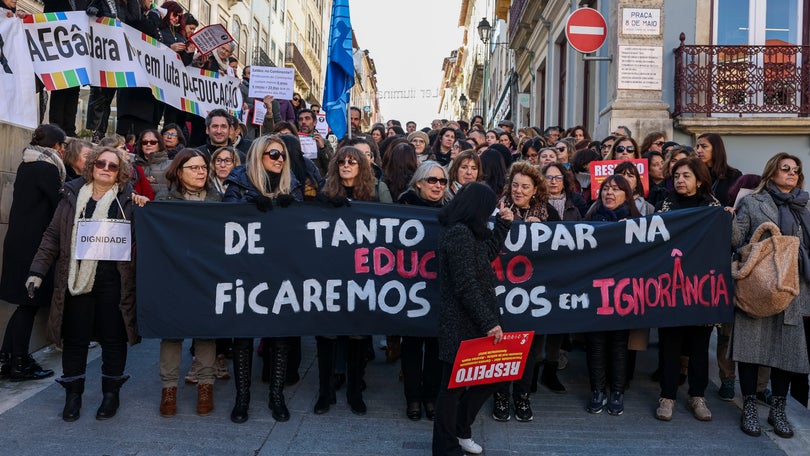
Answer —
(65, 79)
(157, 92)
(210, 74)
(150, 40)
(44, 17)
(111, 21)
(117, 79)
(190, 106)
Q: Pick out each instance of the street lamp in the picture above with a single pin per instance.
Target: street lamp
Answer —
(484, 30)
(462, 101)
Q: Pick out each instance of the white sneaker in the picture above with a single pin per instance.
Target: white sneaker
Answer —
(469, 446)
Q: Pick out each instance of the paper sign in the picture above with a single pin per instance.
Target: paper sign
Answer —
(308, 146)
(479, 361)
(278, 82)
(601, 170)
(322, 127)
(108, 240)
(259, 111)
(210, 37)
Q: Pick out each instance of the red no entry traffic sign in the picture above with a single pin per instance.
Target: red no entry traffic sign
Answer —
(586, 30)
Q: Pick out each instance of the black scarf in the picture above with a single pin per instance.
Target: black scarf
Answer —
(275, 179)
(603, 214)
(794, 220)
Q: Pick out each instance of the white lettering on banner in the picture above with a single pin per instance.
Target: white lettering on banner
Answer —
(366, 232)
(540, 233)
(108, 240)
(236, 237)
(496, 370)
(638, 229)
(78, 51)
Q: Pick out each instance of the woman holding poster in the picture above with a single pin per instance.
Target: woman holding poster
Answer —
(93, 298)
(468, 308)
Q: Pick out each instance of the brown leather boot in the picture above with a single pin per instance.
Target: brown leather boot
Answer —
(168, 402)
(205, 399)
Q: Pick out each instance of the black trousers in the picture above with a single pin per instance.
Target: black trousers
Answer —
(695, 340)
(799, 386)
(780, 380)
(98, 109)
(95, 315)
(456, 410)
(421, 368)
(17, 338)
(523, 386)
(64, 104)
(607, 351)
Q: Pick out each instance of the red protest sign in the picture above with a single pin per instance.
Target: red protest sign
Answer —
(600, 170)
(479, 361)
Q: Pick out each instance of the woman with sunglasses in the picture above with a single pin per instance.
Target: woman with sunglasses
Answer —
(565, 151)
(188, 180)
(624, 149)
(92, 298)
(265, 179)
(653, 142)
(777, 341)
(526, 196)
(151, 155)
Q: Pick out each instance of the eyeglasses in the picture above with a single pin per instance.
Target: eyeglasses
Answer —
(436, 180)
(562, 149)
(347, 161)
(196, 168)
(169, 135)
(223, 161)
(621, 149)
(275, 154)
(456, 146)
(659, 143)
(557, 177)
(787, 168)
(105, 165)
(149, 142)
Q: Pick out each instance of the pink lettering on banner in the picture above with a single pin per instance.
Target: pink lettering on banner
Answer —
(407, 264)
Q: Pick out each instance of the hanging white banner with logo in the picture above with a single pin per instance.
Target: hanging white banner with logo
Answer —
(108, 240)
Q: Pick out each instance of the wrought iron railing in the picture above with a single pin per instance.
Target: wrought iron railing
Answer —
(717, 79)
(293, 55)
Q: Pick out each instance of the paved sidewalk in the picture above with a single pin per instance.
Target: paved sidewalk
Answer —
(29, 418)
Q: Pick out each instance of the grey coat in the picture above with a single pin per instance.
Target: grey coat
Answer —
(776, 341)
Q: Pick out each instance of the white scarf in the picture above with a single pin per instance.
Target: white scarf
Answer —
(44, 154)
(82, 275)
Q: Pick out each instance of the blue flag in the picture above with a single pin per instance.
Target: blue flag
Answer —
(339, 70)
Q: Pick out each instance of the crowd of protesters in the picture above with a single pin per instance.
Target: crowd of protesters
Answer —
(533, 175)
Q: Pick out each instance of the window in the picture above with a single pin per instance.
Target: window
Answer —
(205, 14)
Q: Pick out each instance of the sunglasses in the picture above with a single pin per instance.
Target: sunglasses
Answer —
(347, 161)
(105, 165)
(621, 149)
(275, 154)
(787, 168)
(434, 180)
(150, 142)
(562, 149)
(554, 177)
(659, 143)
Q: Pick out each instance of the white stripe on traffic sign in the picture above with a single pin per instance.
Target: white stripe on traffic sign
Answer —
(583, 30)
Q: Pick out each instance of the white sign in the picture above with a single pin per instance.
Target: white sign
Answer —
(308, 146)
(17, 91)
(210, 37)
(640, 67)
(278, 82)
(641, 21)
(322, 127)
(107, 240)
(259, 111)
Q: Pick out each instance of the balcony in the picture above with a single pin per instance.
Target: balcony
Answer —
(769, 80)
(294, 59)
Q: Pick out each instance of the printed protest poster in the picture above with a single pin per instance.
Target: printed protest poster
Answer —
(308, 146)
(17, 91)
(275, 81)
(480, 361)
(600, 170)
(259, 111)
(210, 37)
(321, 126)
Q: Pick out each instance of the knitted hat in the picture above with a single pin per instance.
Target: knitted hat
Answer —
(419, 134)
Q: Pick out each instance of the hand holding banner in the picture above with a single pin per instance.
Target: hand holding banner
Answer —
(479, 362)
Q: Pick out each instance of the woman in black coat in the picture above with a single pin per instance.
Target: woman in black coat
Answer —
(468, 309)
(36, 194)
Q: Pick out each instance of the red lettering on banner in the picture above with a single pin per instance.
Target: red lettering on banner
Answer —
(408, 274)
(423, 271)
(407, 263)
(497, 268)
(379, 254)
(361, 261)
(517, 261)
(604, 288)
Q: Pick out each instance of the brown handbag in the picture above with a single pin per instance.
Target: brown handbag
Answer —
(767, 273)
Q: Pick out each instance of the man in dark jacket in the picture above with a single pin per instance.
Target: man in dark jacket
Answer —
(217, 127)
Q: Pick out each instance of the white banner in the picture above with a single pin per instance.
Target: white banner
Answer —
(108, 240)
(73, 49)
(18, 98)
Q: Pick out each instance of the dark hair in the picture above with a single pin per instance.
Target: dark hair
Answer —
(460, 159)
(187, 19)
(720, 167)
(512, 142)
(568, 179)
(364, 188)
(138, 142)
(278, 126)
(505, 153)
(463, 145)
(387, 144)
(381, 129)
(437, 143)
(494, 170)
(355, 140)
(701, 172)
(219, 112)
(472, 206)
(622, 183)
(171, 7)
(746, 181)
(582, 158)
(304, 111)
(462, 125)
(585, 133)
(176, 167)
(355, 108)
(534, 143)
(399, 167)
(472, 121)
(181, 138)
(650, 139)
(397, 129)
(630, 166)
(47, 135)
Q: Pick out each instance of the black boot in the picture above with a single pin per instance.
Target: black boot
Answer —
(749, 420)
(267, 359)
(356, 367)
(277, 379)
(535, 377)
(326, 367)
(110, 386)
(242, 361)
(73, 398)
(549, 378)
(26, 368)
(778, 419)
(5, 365)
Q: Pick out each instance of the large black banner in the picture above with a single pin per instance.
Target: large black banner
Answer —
(224, 270)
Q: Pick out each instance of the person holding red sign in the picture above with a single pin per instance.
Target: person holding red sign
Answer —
(606, 351)
(468, 309)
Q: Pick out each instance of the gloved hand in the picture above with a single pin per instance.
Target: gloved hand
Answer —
(340, 200)
(92, 11)
(284, 200)
(264, 203)
(32, 284)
